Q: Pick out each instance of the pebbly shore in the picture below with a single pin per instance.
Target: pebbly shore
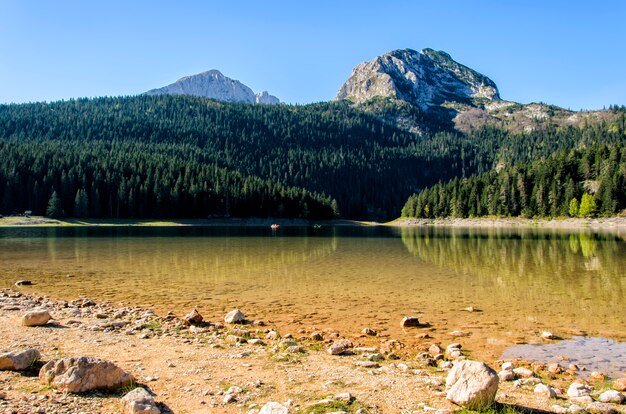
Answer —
(135, 359)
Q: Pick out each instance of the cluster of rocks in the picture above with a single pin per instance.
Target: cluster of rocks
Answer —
(42, 404)
(77, 375)
(469, 384)
(80, 375)
(86, 314)
(84, 374)
(580, 394)
(443, 358)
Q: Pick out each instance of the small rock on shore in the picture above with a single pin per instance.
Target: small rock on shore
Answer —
(235, 316)
(139, 401)
(193, 318)
(36, 318)
(612, 396)
(601, 408)
(17, 361)
(578, 389)
(410, 322)
(274, 408)
(340, 347)
(619, 384)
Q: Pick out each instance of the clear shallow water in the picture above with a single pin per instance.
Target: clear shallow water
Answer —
(595, 354)
(523, 281)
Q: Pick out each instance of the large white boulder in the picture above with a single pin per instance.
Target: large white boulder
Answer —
(472, 384)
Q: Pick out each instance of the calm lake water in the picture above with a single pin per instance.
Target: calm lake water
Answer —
(522, 281)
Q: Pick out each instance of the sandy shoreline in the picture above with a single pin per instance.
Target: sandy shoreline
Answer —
(39, 221)
(193, 369)
(565, 223)
(487, 222)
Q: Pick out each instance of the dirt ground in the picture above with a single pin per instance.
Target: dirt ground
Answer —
(192, 370)
(601, 223)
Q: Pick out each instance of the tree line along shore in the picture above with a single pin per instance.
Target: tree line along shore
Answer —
(154, 157)
(584, 183)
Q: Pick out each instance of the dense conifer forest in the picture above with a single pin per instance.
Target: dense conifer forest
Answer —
(181, 156)
(579, 183)
(140, 180)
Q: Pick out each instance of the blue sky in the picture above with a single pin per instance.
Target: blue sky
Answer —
(569, 53)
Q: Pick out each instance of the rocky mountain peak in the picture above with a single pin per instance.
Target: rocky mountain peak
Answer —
(214, 85)
(265, 98)
(427, 78)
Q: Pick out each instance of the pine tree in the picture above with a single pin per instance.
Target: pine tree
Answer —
(95, 208)
(81, 204)
(608, 197)
(7, 202)
(573, 207)
(568, 194)
(54, 209)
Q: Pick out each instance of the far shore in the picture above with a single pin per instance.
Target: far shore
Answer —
(478, 222)
(515, 222)
(41, 221)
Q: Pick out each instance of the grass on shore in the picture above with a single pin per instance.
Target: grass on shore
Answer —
(40, 221)
(499, 408)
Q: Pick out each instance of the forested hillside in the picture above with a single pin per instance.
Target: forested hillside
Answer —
(581, 183)
(140, 180)
(327, 150)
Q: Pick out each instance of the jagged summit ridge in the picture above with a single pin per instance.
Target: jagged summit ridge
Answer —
(427, 78)
(214, 85)
(265, 98)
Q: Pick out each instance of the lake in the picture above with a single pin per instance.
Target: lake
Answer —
(519, 282)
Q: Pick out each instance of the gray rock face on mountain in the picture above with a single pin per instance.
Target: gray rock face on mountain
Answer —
(214, 85)
(265, 98)
(427, 78)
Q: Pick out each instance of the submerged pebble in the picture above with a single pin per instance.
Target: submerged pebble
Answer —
(600, 355)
